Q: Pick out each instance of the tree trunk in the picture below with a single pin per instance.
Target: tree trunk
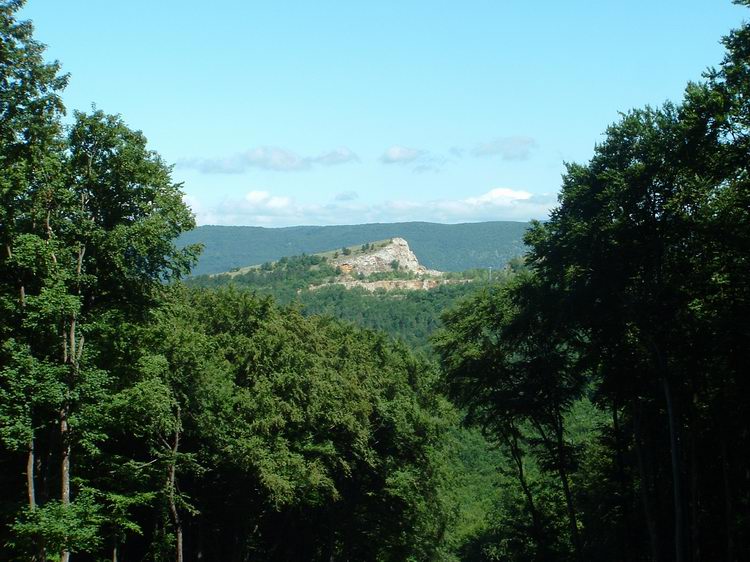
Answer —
(572, 518)
(65, 462)
(73, 356)
(30, 464)
(563, 472)
(728, 510)
(653, 537)
(694, 502)
(45, 464)
(329, 554)
(172, 487)
(65, 470)
(556, 450)
(72, 353)
(21, 288)
(517, 454)
(674, 442)
(629, 542)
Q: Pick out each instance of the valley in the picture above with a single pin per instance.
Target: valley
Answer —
(568, 389)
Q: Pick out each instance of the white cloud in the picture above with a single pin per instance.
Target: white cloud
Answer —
(422, 160)
(279, 203)
(401, 155)
(257, 197)
(203, 214)
(508, 148)
(500, 196)
(267, 158)
(262, 201)
(263, 208)
(273, 158)
(337, 156)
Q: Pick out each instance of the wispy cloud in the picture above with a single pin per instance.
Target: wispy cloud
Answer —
(401, 155)
(270, 158)
(421, 161)
(346, 196)
(264, 208)
(507, 148)
(336, 157)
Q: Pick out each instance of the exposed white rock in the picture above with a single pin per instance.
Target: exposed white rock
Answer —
(393, 284)
(382, 260)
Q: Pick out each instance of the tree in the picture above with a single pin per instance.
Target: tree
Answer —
(332, 434)
(88, 228)
(636, 278)
(31, 160)
(512, 368)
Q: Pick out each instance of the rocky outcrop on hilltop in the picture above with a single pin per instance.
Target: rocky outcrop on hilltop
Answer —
(395, 254)
(393, 284)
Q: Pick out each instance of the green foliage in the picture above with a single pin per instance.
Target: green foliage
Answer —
(75, 527)
(631, 320)
(604, 375)
(28, 387)
(316, 417)
(411, 315)
(86, 228)
(134, 407)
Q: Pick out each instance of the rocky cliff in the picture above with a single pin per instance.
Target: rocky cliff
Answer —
(389, 256)
(393, 284)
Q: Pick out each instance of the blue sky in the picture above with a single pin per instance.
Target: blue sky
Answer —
(341, 112)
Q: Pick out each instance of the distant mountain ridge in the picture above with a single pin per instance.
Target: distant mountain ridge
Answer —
(445, 247)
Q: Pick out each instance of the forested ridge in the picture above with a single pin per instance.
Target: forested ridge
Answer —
(590, 402)
(409, 315)
(447, 247)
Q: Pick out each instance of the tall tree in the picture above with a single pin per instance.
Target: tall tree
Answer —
(31, 160)
(87, 227)
(513, 368)
(643, 275)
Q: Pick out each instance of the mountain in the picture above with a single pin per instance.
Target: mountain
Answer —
(446, 247)
(387, 265)
(379, 285)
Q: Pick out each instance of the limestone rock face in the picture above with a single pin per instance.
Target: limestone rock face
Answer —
(382, 260)
(425, 284)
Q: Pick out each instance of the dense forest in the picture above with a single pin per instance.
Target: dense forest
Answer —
(590, 403)
(409, 315)
(637, 300)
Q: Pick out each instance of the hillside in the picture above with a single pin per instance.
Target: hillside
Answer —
(387, 265)
(379, 285)
(445, 247)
